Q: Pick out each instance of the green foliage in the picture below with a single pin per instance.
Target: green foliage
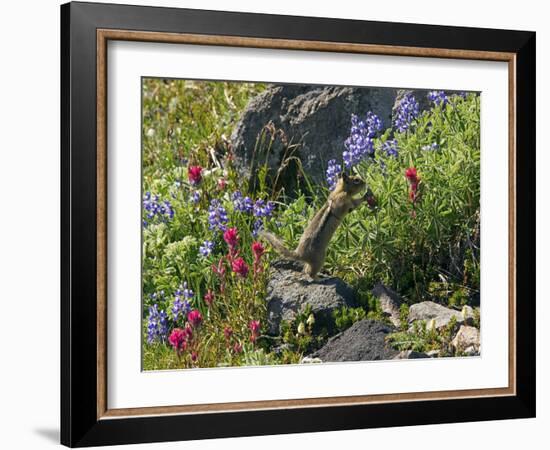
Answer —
(346, 316)
(424, 337)
(403, 316)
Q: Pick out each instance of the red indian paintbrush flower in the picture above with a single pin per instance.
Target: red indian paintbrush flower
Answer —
(228, 332)
(254, 326)
(411, 175)
(177, 339)
(209, 297)
(414, 181)
(194, 174)
(222, 183)
(195, 318)
(231, 236)
(258, 250)
(240, 267)
(237, 348)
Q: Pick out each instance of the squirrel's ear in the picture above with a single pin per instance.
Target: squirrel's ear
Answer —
(345, 176)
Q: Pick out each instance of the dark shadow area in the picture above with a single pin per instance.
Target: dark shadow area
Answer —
(50, 434)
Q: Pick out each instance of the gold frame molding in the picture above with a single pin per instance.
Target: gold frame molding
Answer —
(105, 35)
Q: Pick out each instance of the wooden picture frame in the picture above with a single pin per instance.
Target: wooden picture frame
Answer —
(86, 418)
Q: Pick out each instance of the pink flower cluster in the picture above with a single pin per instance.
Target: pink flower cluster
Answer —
(237, 264)
(194, 173)
(181, 339)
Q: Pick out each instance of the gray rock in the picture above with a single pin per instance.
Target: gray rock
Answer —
(472, 351)
(363, 341)
(289, 291)
(437, 315)
(467, 338)
(390, 302)
(314, 119)
(318, 118)
(411, 354)
(433, 353)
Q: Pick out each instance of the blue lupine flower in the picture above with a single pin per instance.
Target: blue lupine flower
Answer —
(432, 147)
(241, 203)
(407, 110)
(257, 227)
(158, 296)
(390, 147)
(217, 216)
(360, 142)
(333, 171)
(373, 123)
(156, 208)
(438, 97)
(206, 248)
(195, 197)
(263, 208)
(157, 325)
(181, 304)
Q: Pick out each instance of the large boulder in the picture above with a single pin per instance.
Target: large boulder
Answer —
(289, 290)
(314, 120)
(317, 118)
(438, 316)
(363, 341)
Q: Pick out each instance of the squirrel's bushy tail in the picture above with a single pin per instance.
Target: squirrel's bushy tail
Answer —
(279, 246)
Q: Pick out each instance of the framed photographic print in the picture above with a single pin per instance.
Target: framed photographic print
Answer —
(276, 224)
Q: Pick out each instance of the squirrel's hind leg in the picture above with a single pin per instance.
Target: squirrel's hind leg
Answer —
(312, 271)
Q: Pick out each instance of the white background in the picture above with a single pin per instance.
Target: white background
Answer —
(128, 387)
(29, 225)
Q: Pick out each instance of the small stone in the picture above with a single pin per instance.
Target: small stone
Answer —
(440, 315)
(310, 360)
(433, 353)
(411, 354)
(467, 338)
(472, 351)
(390, 302)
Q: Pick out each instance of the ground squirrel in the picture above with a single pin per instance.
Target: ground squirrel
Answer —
(313, 244)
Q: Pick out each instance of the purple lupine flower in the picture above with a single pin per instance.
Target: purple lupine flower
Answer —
(257, 227)
(157, 297)
(438, 97)
(217, 216)
(263, 208)
(373, 123)
(154, 207)
(157, 325)
(431, 147)
(181, 305)
(195, 197)
(407, 110)
(360, 142)
(390, 147)
(206, 248)
(333, 171)
(241, 203)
